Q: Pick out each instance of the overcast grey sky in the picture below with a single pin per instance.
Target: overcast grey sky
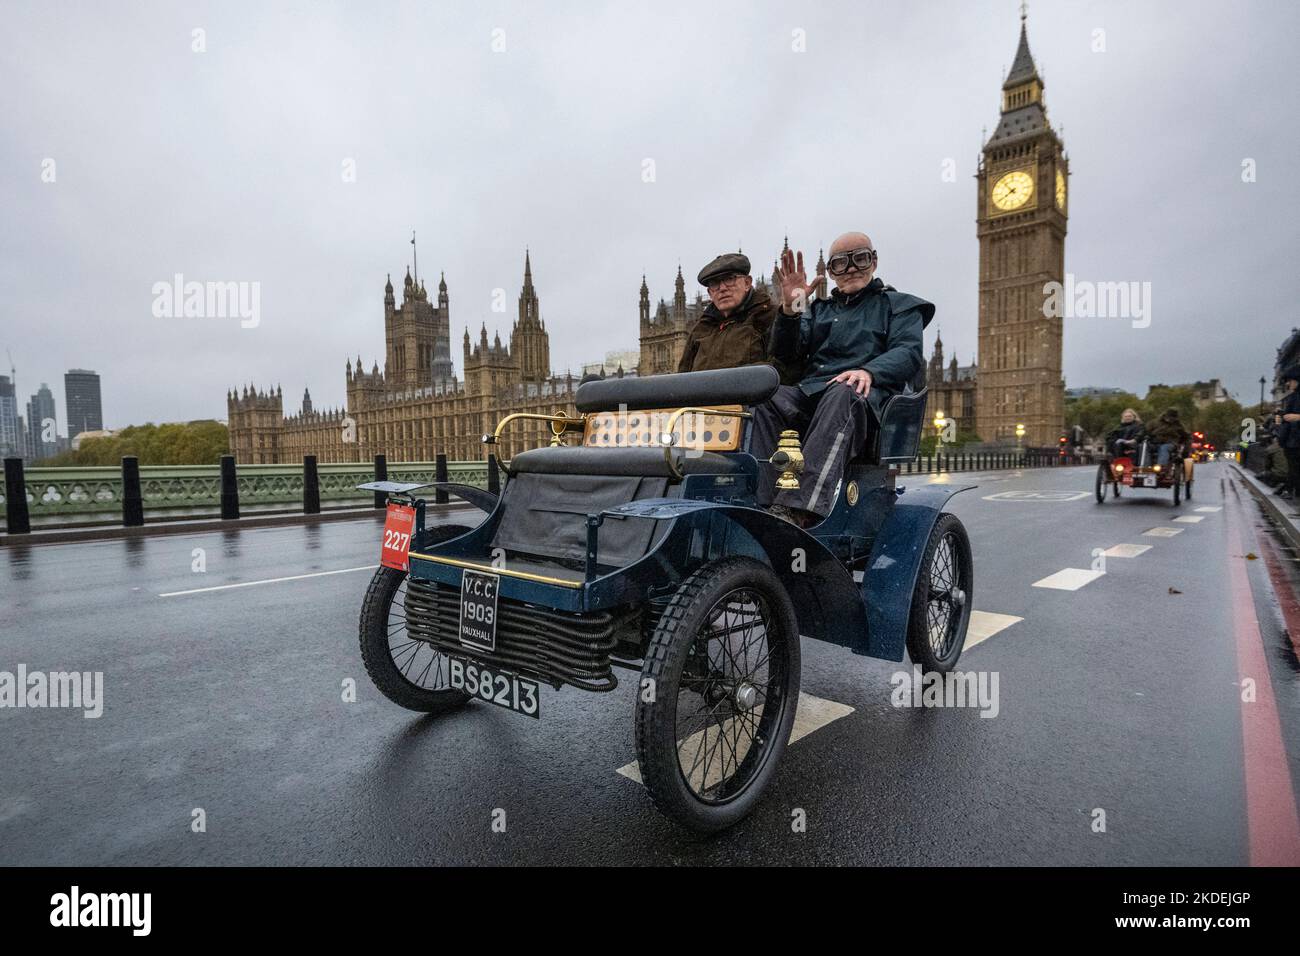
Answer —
(227, 165)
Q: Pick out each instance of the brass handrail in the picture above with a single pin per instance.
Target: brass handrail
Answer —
(666, 437)
(566, 425)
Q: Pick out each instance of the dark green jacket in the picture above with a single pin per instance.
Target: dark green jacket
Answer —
(876, 328)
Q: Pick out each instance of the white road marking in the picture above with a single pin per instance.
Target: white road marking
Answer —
(249, 584)
(1210, 508)
(984, 624)
(1126, 550)
(1162, 532)
(813, 713)
(1069, 579)
(1038, 496)
(1190, 519)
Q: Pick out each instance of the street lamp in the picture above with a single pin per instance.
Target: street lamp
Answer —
(1261, 394)
(1020, 434)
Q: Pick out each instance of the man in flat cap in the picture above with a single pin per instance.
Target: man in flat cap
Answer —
(861, 346)
(736, 326)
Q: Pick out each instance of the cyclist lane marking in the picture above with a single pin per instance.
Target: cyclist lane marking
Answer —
(1271, 822)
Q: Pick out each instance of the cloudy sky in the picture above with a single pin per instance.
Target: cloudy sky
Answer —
(228, 164)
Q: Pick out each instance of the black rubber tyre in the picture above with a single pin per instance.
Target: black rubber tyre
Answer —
(1178, 487)
(727, 645)
(941, 603)
(409, 672)
(1103, 480)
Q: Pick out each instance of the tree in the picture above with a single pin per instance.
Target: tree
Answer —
(1098, 414)
(172, 443)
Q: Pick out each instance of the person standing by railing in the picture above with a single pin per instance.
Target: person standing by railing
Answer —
(1289, 432)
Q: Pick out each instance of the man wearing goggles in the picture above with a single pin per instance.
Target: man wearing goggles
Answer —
(736, 325)
(861, 346)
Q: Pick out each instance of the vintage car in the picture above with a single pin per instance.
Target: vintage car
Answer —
(639, 547)
(1136, 467)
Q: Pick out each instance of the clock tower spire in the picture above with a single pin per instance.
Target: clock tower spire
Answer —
(1020, 224)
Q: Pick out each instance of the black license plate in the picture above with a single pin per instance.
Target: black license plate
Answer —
(478, 610)
(510, 691)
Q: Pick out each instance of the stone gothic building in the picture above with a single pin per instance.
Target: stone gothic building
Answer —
(415, 407)
(952, 390)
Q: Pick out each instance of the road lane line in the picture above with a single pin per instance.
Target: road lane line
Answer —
(1191, 519)
(1069, 579)
(1126, 550)
(1210, 508)
(1163, 532)
(984, 624)
(249, 584)
(813, 713)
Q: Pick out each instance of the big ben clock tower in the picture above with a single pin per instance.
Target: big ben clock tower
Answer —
(1020, 222)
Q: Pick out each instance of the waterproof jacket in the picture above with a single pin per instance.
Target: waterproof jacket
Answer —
(1288, 433)
(876, 328)
(718, 341)
(1168, 431)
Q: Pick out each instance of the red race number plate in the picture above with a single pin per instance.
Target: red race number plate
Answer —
(398, 529)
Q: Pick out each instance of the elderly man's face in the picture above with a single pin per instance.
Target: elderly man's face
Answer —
(850, 247)
(728, 292)
(1127, 417)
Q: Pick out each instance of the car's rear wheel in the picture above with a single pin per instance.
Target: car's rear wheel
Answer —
(718, 694)
(941, 602)
(407, 671)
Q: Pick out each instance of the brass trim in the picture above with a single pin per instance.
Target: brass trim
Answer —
(489, 569)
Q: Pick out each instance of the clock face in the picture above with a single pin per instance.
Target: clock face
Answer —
(1013, 190)
(1060, 189)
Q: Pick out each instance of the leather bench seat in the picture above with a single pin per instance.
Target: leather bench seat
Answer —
(747, 385)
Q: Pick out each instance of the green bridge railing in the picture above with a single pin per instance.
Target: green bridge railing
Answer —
(62, 495)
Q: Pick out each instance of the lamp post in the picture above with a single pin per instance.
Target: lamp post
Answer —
(1020, 435)
(1261, 394)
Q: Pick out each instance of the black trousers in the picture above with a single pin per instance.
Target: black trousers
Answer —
(834, 426)
(1292, 471)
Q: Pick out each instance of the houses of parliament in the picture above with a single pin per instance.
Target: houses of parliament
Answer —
(415, 407)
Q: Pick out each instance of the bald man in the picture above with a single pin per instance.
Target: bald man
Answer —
(861, 345)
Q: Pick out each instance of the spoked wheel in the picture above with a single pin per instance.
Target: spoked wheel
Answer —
(1103, 482)
(941, 603)
(1178, 487)
(409, 672)
(718, 694)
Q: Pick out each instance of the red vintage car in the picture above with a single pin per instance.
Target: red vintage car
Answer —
(1137, 468)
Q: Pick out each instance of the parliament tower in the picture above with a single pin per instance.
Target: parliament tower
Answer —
(1021, 219)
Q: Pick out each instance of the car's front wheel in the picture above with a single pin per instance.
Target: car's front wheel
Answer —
(718, 694)
(941, 602)
(409, 672)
